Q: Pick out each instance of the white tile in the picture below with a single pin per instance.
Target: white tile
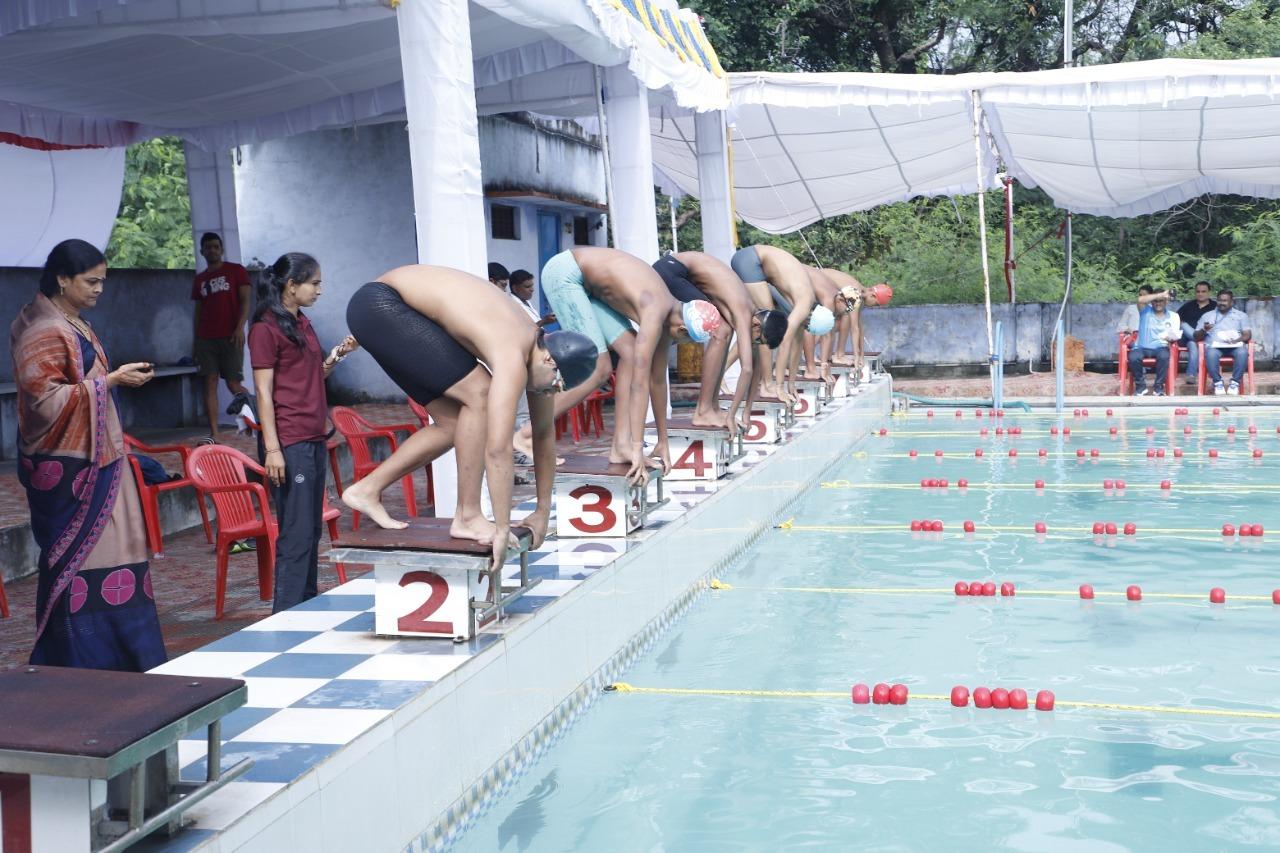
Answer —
(304, 620)
(554, 587)
(308, 822)
(363, 585)
(214, 664)
(226, 805)
(362, 789)
(428, 777)
(191, 751)
(484, 706)
(345, 642)
(313, 725)
(280, 692)
(392, 667)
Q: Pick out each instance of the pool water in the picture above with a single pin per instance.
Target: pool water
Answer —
(710, 772)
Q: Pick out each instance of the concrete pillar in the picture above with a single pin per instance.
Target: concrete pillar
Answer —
(211, 187)
(444, 154)
(626, 105)
(712, 147)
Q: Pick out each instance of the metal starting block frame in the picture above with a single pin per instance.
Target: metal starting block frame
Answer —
(770, 418)
(593, 498)
(89, 758)
(845, 381)
(428, 584)
(813, 396)
(700, 452)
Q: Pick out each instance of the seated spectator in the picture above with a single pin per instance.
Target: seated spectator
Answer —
(1129, 319)
(1157, 328)
(522, 293)
(1225, 332)
(1190, 314)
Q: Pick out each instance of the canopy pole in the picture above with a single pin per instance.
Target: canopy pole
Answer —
(675, 238)
(604, 150)
(996, 359)
(1068, 48)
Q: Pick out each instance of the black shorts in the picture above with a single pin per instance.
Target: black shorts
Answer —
(676, 277)
(411, 348)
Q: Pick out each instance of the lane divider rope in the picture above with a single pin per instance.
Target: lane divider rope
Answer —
(950, 592)
(625, 687)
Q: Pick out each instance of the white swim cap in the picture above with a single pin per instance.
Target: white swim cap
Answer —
(821, 320)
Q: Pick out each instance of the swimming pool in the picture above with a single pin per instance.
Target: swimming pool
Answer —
(803, 766)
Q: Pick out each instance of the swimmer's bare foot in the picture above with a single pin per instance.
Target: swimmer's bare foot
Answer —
(522, 443)
(363, 501)
(478, 528)
(708, 419)
(842, 362)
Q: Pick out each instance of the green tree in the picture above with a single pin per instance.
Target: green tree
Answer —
(153, 227)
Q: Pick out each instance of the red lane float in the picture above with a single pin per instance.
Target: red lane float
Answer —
(1130, 528)
(1018, 699)
(1099, 528)
(978, 453)
(1133, 592)
(1213, 453)
(1007, 589)
(1040, 527)
(1044, 700)
(1093, 453)
(1111, 528)
(1166, 485)
(962, 483)
(1039, 484)
(1228, 530)
(860, 694)
(1000, 698)
(962, 588)
(1217, 595)
(898, 694)
(981, 697)
(989, 588)
(968, 528)
(1086, 592)
(912, 454)
(880, 694)
(960, 696)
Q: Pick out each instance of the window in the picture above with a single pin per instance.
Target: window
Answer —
(504, 222)
(581, 232)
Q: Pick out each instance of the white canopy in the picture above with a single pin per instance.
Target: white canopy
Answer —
(111, 72)
(1114, 140)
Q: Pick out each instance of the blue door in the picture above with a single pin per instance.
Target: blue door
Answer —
(548, 247)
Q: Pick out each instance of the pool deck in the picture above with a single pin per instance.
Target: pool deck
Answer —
(356, 738)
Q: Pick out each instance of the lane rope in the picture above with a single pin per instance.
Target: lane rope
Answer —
(626, 687)
(1199, 488)
(950, 592)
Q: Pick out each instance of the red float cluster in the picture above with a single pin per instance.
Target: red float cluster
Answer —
(1110, 528)
(1245, 530)
(881, 694)
(934, 483)
(1182, 411)
(1000, 698)
(984, 588)
(926, 526)
(1118, 485)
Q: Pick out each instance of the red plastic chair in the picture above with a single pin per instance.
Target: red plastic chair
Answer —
(358, 432)
(4, 601)
(593, 406)
(1201, 378)
(330, 516)
(1128, 381)
(424, 420)
(149, 494)
(332, 446)
(243, 511)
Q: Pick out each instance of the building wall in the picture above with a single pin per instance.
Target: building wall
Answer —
(346, 197)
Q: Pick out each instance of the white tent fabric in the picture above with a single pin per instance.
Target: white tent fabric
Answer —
(242, 71)
(60, 193)
(1115, 140)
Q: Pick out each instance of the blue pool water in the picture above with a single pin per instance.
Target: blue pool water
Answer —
(659, 771)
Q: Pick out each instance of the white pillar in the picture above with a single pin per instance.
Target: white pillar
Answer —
(444, 154)
(712, 147)
(211, 187)
(626, 105)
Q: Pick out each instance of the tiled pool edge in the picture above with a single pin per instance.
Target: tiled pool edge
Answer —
(410, 777)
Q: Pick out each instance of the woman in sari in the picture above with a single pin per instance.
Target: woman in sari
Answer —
(94, 603)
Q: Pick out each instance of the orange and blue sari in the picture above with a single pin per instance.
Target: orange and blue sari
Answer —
(95, 606)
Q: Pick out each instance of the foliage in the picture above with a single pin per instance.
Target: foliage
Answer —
(929, 248)
(153, 227)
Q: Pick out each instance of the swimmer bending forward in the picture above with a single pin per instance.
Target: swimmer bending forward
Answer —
(464, 350)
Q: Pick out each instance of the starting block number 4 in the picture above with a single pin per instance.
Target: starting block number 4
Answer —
(411, 602)
(593, 510)
(762, 428)
(696, 459)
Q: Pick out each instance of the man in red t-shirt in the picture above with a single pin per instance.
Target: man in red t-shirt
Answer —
(221, 294)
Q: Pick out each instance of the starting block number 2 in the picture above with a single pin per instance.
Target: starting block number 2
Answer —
(423, 603)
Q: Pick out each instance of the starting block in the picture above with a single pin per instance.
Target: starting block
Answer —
(428, 584)
(770, 418)
(845, 380)
(593, 498)
(89, 758)
(700, 452)
(813, 396)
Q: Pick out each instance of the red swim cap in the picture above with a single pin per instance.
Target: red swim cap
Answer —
(883, 293)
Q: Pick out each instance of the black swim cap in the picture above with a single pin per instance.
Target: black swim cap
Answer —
(773, 326)
(575, 356)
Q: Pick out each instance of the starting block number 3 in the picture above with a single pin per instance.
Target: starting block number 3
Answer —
(591, 510)
(423, 603)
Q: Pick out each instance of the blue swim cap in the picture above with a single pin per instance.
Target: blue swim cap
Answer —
(821, 320)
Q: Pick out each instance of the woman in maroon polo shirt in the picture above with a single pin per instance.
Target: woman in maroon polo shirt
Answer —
(289, 369)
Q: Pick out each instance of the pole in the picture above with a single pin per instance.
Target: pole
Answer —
(675, 238)
(997, 365)
(1059, 371)
(982, 230)
(604, 150)
(1068, 48)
